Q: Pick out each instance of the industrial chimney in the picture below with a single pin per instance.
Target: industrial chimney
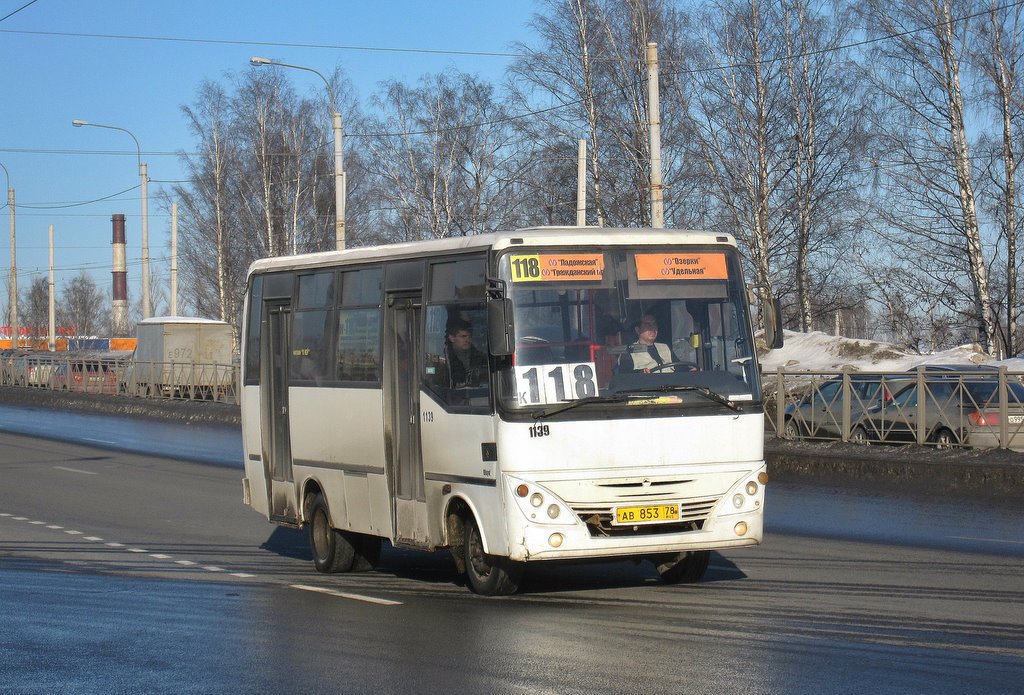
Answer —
(119, 318)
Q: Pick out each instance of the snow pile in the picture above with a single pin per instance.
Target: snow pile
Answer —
(818, 351)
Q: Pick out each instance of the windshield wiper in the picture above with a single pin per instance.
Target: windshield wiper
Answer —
(569, 405)
(635, 393)
(702, 390)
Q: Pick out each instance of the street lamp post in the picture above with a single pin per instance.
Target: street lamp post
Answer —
(339, 135)
(144, 175)
(13, 282)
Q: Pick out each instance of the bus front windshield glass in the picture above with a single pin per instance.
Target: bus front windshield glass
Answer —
(663, 326)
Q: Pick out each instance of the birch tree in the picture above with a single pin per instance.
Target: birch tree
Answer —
(932, 207)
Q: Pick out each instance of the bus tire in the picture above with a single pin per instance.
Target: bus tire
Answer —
(488, 575)
(685, 568)
(367, 553)
(332, 550)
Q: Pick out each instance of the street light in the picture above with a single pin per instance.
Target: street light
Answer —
(143, 174)
(339, 134)
(13, 281)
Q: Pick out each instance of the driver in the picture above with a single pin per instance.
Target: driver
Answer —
(646, 353)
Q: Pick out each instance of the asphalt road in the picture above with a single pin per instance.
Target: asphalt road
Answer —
(121, 572)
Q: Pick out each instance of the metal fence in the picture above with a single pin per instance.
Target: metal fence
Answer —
(942, 407)
(120, 375)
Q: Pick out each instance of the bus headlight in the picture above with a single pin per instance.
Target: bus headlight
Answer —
(553, 511)
(751, 488)
(737, 500)
(740, 528)
(536, 499)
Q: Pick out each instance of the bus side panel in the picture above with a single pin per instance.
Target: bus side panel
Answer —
(337, 437)
(453, 453)
(252, 449)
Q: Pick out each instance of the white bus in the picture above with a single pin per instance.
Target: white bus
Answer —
(494, 395)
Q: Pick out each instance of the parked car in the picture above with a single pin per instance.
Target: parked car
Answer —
(948, 411)
(819, 413)
(86, 376)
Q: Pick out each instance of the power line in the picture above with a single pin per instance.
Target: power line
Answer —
(275, 44)
(11, 14)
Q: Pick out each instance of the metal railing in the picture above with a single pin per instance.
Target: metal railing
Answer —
(980, 407)
(122, 376)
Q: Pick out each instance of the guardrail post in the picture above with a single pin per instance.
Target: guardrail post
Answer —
(845, 433)
(922, 399)
(1004, 410)
(780, 403)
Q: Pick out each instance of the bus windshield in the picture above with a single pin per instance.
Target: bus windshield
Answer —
(639, 326)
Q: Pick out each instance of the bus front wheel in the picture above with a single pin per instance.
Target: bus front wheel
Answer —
(332, 550)
(686, 568)
(488, 575)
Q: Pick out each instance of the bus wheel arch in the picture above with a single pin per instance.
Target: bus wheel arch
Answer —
(455, 516)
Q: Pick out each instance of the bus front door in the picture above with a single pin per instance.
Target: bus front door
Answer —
(276, 428)
(404, 347)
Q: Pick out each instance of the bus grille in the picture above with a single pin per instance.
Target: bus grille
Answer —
(692, 515)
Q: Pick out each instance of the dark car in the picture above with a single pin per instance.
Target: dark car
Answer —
(947, 410)
(819, 413)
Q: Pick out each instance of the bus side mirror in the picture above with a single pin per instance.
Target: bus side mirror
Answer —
(771, 314)
(501, 333)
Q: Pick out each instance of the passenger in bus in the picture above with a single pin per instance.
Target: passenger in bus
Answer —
(467, 366)
(646, 353)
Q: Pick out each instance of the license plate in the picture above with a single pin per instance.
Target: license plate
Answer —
(648, 514)
(1015, 419)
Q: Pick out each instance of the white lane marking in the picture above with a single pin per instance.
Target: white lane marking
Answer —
(987, 540)
(161, 556)
(97, 441)
(343, 594)
(75, 470)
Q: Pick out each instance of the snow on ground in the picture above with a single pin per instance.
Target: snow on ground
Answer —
(818, 351)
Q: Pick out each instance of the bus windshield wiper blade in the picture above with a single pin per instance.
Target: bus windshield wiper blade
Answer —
(569, 405)
(701, 390)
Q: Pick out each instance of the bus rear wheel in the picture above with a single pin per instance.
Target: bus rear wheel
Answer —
(332, 550)
(685, 568)
(488, 575)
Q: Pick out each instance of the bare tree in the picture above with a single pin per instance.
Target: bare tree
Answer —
(999, 58)
(924, 137)
(738, 127)
(83, 306)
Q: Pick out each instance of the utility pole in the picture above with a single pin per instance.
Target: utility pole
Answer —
(51, 343)
(12, 282)
(654, 120)
(581, 185)
(174, 259)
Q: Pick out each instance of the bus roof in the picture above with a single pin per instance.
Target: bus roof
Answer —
(533, 236)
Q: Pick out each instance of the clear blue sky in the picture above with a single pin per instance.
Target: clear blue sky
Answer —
(52, 71)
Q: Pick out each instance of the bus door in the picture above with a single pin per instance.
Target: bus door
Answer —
(404, 347)
(274, 397)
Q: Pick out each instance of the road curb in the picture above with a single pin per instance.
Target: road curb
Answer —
(986, 473)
